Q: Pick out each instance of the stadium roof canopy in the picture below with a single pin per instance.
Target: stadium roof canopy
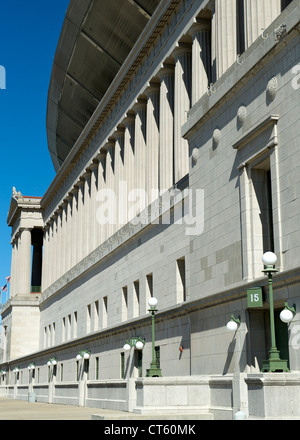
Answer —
(96, 38)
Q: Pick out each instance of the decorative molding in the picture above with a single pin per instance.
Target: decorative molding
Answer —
(272, 89)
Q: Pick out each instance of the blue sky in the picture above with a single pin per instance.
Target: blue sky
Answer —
(29, 32)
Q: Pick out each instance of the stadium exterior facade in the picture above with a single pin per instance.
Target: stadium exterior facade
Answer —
(172, 181)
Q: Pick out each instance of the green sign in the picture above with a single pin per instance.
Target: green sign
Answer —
(255, 297)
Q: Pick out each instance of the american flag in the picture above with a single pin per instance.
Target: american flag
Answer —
(4, 288)
(8, 279)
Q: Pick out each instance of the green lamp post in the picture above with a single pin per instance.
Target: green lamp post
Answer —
(274, 363)
(154, 370)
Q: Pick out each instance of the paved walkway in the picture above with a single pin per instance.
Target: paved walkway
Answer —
(22, 410)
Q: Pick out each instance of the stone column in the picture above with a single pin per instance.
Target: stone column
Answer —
(58, 247)
(80, 221)
(166, 125)
(68, 232)
(110, 187)
(225, 28)
(201, 58)
(64, 237)
(182, 104)
(140, 154)
(94, 185)
(258, 15)
(86, 213)
(24, 263)
(100, 228)
(75, 227)
(121, 196)
(129, 155)
(152, 141)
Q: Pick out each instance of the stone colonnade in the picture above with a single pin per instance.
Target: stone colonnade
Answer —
(146, 152)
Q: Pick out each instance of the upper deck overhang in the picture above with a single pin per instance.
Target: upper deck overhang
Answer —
(95, 40)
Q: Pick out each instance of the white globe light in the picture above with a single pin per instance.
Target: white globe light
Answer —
(269, 259)
(78, 357)
(231, 325)
(139, 345)
(152, 302)
(54, 362)
(286, 315)
(86, 355)
(126, 347)
(49, 363)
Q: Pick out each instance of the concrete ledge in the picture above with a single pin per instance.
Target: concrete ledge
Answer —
(130, 416)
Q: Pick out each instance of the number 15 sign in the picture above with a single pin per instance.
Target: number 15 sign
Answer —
(255, 297)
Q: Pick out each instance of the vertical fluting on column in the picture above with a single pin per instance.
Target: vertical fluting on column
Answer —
(166, 128)
(258, 15)
(86, 213)
(64, 237)
(59, 247)
(93, 191)
(69, 232)
(226, 34)
(121, 198)
(110, 189)
(75, 224)
(80, 223)
(129, 156)
(24, 266)
(140, 155)
(152, 142)
(201, 58)
(100, 228)
(182, 104)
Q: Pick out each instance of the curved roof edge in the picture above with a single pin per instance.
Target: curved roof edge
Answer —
(95, 40)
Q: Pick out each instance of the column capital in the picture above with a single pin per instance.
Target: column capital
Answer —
(140, 104)
(200, 24)
(153, 87)
(182, 48)
(166, 69)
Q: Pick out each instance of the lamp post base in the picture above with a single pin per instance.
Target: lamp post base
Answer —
(153, 371)
(274, 363)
